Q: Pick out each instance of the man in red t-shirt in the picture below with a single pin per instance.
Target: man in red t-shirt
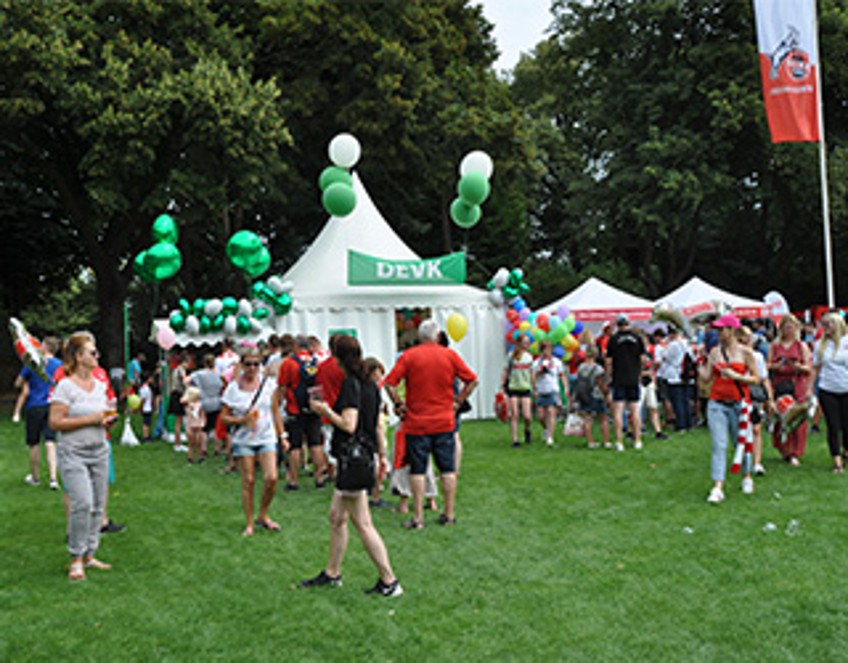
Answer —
(301, 423)
(429, 413)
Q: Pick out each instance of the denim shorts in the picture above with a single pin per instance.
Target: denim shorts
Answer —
(547, 400)
(419, 448)
(245, 451)
(595, 406)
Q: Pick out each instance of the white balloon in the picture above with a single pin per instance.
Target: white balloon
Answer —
(245, 308)
(230, 325)
(344, 150)
(496, 297)
(192, 325)
(287, 286)
(256, 326)
(213, 307)
(501, 277)
(477, 162)
(276, 284)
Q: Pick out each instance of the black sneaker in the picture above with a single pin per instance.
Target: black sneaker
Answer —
(528, 437)
(290, 487)
(322, 580)
(390, 590)
(112, 527)
(516, 444)
(662, 436)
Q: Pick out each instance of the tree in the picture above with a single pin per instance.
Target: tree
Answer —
(119, 110)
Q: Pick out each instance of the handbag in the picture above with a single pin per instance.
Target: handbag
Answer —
(784, 388)
(356, 466)
(758, 393)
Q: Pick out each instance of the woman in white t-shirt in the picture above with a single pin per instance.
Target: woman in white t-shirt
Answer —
(830, 369)
(549, 380)
(80, 412)
(246, 406)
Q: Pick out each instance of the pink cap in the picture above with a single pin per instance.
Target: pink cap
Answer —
(727, 320)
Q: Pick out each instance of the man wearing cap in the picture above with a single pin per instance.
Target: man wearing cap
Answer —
(624, 365)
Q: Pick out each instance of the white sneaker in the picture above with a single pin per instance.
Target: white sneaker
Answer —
(54, 485)
(759, 470)
(747, 485)
(32, 482)
(716, 496)
(549, 442)
(619, 446)
(181, 448)
(637, 446)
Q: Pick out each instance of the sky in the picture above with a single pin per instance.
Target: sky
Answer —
(519, 26)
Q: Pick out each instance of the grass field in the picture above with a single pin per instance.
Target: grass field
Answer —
(559, 554)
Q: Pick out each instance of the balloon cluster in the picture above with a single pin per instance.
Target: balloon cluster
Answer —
(248, 252)
(473, 188)
(227, 315)
(506, 285)
(336, 182)
(28, 349)
(559, 327)
(162, 260)
(276, 293)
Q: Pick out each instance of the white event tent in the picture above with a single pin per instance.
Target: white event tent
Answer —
(697, 296)
(595, 302)
(324, 300)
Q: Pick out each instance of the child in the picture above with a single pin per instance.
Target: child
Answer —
(145, 393)
(591, 399)
(195, 419)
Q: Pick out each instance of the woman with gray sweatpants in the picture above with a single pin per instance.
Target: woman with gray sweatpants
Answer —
(80, 412)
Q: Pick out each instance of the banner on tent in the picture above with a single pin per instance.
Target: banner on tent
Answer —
(363, 269)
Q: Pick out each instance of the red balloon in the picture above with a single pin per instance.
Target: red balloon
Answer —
(512, 315)
(542, 322)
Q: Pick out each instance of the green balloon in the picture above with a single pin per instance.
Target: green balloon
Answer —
(243, 246)
(141, 269)
(198, 306)
(261, 313)
(258, 264)
(282, 304)
(217, 322)
(229, 305)
(205, 323)
(464, 215)
(243, 324)
(163, 260)
(473, 188)
(339, 199)
(185, 307)
(331, 175)
(177, 321)
(165, 229)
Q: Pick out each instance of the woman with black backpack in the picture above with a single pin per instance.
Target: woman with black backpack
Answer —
(357, 435)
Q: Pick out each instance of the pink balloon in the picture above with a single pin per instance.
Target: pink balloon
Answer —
(524, 313)
(563, 311)
(166, 338)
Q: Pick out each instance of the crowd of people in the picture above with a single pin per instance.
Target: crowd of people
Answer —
(728, 376)
(262, 405)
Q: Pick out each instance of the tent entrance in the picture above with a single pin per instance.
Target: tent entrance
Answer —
(406, 325)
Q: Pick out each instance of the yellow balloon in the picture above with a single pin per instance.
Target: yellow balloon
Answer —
(457, 326)
(134, 402)
(570, 343)
(524, 326)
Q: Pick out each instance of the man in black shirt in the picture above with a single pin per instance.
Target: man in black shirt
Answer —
(624, 364)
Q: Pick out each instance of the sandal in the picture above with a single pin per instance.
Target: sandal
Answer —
(412, 524)
(94, 563)
(76, 571)
(268, 524)
(444, 520)
(248, 531)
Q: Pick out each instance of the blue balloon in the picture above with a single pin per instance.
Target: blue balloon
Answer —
(578, 327)
(553, 321)
(518, 304)
(516, 334)
(559, 351)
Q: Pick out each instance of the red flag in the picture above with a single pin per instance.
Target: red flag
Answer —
(786, 40)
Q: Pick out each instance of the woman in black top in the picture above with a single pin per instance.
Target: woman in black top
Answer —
(359, 399)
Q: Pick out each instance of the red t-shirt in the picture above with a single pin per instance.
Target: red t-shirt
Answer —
(330, 377)
(289, 378)
(429, 370)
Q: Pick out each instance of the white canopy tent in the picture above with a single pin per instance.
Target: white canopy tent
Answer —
(697, 296)
(595, 302)
(324, 300)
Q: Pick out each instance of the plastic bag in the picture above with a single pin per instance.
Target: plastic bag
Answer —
(573, 425)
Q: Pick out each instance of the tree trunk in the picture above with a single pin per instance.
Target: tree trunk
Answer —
(111, 294)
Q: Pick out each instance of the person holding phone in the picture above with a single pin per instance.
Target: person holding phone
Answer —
(80, 413)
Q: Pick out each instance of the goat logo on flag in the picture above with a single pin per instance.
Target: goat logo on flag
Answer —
(786, 36)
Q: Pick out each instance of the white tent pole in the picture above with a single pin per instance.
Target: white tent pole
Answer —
(828, 253)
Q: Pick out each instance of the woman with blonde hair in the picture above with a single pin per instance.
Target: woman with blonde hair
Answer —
(830, 367)
(789, 371)
(80, 412)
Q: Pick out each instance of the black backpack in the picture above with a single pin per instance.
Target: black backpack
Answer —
(308, 371)
(688, 369)
(583, 389)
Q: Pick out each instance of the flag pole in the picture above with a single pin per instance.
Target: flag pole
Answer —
(828, 253)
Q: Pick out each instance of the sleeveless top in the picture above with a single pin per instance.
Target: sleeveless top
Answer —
(725, 389)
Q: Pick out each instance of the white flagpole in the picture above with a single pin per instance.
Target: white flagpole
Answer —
(828, 253)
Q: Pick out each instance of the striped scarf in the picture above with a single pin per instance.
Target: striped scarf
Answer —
(744, 440)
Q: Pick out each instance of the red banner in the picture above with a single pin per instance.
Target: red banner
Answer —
(786, 40)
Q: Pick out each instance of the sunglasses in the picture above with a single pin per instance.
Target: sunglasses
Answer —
(250, 363)
(94, 353)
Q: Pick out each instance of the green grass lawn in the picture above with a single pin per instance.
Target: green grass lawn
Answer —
(559, 554)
